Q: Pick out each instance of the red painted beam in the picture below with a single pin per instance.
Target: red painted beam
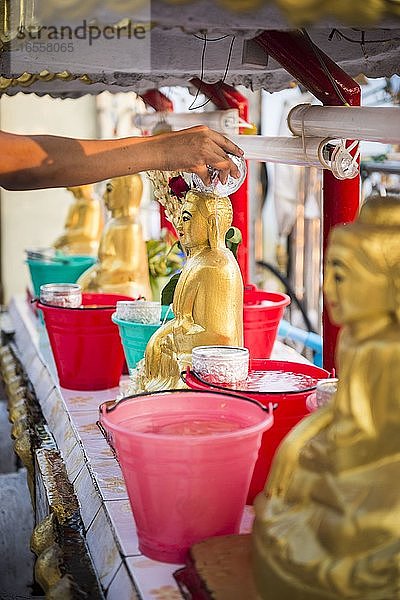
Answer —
(213, 91)
(302, 59)
(296, 53)
(157, 100)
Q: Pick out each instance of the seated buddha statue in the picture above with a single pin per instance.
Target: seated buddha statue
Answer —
(327, 525)
(208, 299)
(122, 266)
(83, 224)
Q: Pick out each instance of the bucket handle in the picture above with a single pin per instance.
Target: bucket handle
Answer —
(183, 375)
(110, 405)
(269, 409)
(82, 306)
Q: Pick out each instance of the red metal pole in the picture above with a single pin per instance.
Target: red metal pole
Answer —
(225, 96)
(339, 206)
(296, 53)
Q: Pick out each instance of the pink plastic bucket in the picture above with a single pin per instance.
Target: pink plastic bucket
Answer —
(85, 342)
(187, 459)
(289, 409)
(262, 313)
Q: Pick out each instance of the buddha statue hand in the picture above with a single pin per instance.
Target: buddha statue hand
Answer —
(183, 335)
(315, 455)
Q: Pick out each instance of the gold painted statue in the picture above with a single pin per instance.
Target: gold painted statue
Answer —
(327, 525)
(208, 300)
(122, 266)
(83, 224)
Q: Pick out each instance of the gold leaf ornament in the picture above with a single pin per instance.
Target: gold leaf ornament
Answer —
(358, 12)
(162, 193)
(393, 6)
(75, 9)
(300, 12)
(241, 5)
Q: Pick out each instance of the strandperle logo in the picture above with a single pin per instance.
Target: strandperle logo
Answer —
(84, 31)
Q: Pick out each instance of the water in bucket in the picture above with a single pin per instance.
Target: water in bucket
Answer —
(187, 459)
(287, 385)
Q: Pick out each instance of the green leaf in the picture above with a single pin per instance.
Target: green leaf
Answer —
(167, 294)
(164, 259)
(233, 238)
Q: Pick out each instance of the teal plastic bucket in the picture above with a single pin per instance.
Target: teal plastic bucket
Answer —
(58, 272)
(135, 336)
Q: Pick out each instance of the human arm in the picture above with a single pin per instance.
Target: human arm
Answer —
(44, 161)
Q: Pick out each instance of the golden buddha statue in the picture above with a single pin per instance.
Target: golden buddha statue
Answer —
(208, 299)
(122, 266)
(327, 525)
(83, 224)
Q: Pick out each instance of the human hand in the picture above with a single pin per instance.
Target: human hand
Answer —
(196, 149)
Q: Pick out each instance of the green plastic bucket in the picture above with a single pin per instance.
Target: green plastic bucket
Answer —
(135, 336)
(58, 272)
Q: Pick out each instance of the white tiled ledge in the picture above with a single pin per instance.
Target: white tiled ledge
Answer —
(92, 469)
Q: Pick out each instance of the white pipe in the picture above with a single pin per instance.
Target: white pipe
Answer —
(374, 124)
(224, 121)
(288, 150)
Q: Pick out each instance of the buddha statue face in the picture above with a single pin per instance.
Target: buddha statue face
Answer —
(204, 220)
(192, 227)
(352, 292)
(123, 192)
(361, 270)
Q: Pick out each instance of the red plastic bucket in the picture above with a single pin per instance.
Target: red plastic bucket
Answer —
(85, 342)
(290, 408)
(187, 459)
(262, 313)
